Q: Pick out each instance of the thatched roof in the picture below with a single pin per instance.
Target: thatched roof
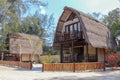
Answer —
(20, 43)
(96, 33)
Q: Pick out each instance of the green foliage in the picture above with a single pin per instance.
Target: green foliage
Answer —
(115, 27)
(14, 19)
(49, 49)
(31, 25)
(49, 59)
(11, 18)
(112, 17)
(3, 44)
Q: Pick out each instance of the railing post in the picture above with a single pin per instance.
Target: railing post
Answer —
(30, 65)
(87, 53)
(61, 53)
(104, 60)
(42, 67)
(73, 67)
(2, 56)
(96, 51)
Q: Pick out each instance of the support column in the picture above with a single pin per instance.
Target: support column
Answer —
(61, 53)
(30, 57)
(87, 54)
(73, 60)
(20, 57)
(96, 51)
(2, 56)
(104, 58)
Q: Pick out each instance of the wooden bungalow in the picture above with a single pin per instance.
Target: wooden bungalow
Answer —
(24, 47)
(83, 36)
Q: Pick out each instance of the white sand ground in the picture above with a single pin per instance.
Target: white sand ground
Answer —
(12, 73)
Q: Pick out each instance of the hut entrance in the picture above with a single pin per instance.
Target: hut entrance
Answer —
(79, 54)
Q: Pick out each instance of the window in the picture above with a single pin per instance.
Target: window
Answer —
(75, 27)
(66, 28)
(72, 27)
(79, 27)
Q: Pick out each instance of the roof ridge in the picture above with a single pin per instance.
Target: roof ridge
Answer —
(85, 15)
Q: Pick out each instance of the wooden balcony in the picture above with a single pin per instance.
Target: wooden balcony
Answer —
(68, 36)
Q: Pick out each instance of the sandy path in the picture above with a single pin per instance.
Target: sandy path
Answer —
(10, 73)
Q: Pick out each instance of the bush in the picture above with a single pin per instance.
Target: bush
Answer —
(49, 59)
(53, 61)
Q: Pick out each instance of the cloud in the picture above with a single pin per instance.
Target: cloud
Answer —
(42, 10)
(103, 6)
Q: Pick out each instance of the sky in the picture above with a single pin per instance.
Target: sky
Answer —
(87, 6)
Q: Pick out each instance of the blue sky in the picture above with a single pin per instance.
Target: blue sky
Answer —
(87, 6)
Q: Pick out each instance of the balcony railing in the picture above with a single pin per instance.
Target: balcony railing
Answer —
(66, 36)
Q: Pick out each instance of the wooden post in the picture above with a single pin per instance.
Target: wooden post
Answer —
(73, 60)
(20, 53)
(104, 59)
(87, 55)
(74, 67)
(43, 67)
(61, 53)
(2, 57)
(30, 57)
(20, 57)
(96, 51)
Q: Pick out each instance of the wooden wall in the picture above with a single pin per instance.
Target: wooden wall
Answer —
(29, 57)
(85, 66)
(93, 51)
(100, 55)
(25, 57)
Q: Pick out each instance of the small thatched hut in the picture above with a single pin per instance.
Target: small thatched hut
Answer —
(83, 36)
(27, 47)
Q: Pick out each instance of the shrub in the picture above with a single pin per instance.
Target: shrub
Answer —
(49, 59)
(53, 61)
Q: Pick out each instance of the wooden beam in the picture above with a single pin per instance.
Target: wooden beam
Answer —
(61, 53)
(20, 57)
(96, 51)
(87, 54)
(30, 57)
(72, 51)
(77, 30)
(2, 56)
(78, 46)
(104, 58)
(75, 40)
(61, 21)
